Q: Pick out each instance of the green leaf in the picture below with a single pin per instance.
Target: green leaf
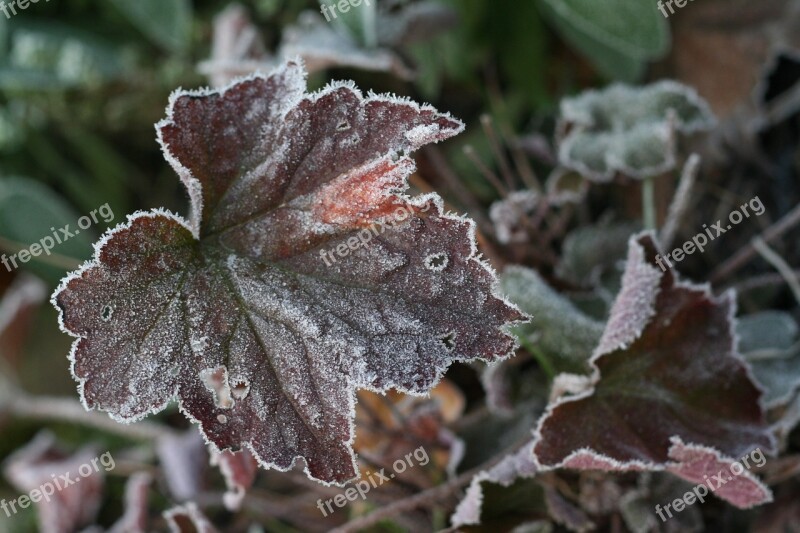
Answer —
(609, 62)
(565, 335)
(768, 341)
(28, 211)
(629, 130)
(618, 36)
(591, 254)
(767, 334)
(46, 55)
(166, 23)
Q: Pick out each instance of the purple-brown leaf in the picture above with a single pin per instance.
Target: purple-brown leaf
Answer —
(188, 519)
(667, 368)
(239, 470)
(72, 500)
(135, 518)
(247, 313)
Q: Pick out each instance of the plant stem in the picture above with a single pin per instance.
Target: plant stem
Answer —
(65, 409)
(369, 24)
(789, 221)
(649, 203)
(540, 357)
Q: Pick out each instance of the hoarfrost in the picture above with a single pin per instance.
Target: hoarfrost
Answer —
(236, 313)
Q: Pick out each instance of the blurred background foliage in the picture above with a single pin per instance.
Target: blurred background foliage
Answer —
(82, 83)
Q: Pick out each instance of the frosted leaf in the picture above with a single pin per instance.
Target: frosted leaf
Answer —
(767, 334)
(18, 305)
(183, 459)
(700, 464)
(239, 470)
(666, 369)
(495, 494)
(566, 187)
(73, 506)
(188, 519)
(509, 216)
(769, 342)
(629, 130)
(413, 22)
(278, 298)
(505, 473)
(237, 47)
(136, 514)
(591, 254)
(321, 46)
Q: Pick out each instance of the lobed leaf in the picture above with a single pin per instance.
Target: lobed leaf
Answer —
(629, 130)
(666, 369)
(699, 464)
(262, 338)
(74, 505)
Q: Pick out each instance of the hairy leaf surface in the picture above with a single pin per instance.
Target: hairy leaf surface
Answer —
(285, 292)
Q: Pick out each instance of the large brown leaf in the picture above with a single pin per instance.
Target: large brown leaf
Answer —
(237, 313)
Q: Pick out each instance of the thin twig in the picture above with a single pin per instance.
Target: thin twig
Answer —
(680, 202)
(790, 220)
(770, 279)
(497, 150)
(67, 409)
(52, 258)
(487, 173)
(455, 185)
(649, 203)
(524, 168)
(783, 107)
(780, 265)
